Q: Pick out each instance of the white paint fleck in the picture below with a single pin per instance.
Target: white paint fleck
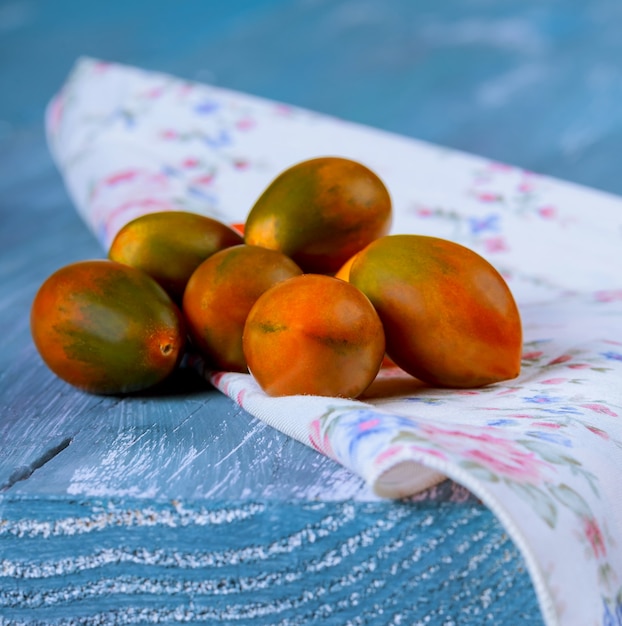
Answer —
(502, 89)
(514, 34)
(249, 435)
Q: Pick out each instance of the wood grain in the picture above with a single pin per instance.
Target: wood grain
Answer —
(138, 561)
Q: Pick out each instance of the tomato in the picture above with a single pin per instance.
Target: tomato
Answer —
(344, 270)
(170, 245)
(220, 294)
(320, 212)
(313, 334)
(449, 317)
(106, 328)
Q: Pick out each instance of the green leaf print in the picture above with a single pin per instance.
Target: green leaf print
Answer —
(541, 502)
(571, 499)
(548, 452)
(480, 472)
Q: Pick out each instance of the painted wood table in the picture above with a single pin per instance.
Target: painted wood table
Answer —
(177, 505)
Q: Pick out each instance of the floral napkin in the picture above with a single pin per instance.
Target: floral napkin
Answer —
(543, 451)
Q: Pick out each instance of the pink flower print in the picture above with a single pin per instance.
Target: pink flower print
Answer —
(320, 443)
(190, 162)
(390, 452)
(600, 408)
(139, 206)
(547, 212)
(124, 195)
(597, 431)
(240, 164)
(553, 381)
(489, 196)
(501, 456)
(428, 452)
(155, 92)
(186, 88)
(121, 177)
(594, 535)
(206, 179)
(368, 424)
(424, 211)
(501, 167)
(525, 187)
(495, 244)
(283, 109)
(564, 358)
(610, 295)
(245, 124)
(578, 366)
(101, 66)
(169, 133)
(533, 355)
(520, 467)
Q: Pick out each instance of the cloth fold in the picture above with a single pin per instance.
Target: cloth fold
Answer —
(543, 451)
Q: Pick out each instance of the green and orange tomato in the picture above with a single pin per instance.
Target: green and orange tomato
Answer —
(170, 245)
(106, 328)
(313, 334)
(449, 317)
(320, 212)
(221, 292)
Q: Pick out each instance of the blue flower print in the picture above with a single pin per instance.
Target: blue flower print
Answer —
(482, 224)
(612, 617)
(360, 424)
(503, 421)
(206, 107)
(540, 399)
(552, 437)
(223, 138)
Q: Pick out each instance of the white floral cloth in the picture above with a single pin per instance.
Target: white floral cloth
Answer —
(543, 451)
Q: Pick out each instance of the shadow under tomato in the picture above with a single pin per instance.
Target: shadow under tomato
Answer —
(184, 381)
(393, 381)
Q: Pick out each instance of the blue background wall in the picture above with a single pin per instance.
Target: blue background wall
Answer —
(534, 83)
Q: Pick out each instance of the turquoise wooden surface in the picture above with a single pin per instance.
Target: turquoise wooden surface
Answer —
(175, 505)
(268, 562)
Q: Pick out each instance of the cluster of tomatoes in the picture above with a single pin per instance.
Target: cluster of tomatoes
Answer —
(309, 296)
